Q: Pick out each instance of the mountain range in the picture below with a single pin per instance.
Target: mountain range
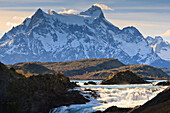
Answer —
(53, 37)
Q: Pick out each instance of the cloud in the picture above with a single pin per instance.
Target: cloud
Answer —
(11, 24)
(166, 34)
(70, 11)
(102, 6)
(18, 18)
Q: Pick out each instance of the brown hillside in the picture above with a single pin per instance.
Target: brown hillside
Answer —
(71, 68)
(144, 71)
(92, 69)
(166, 70)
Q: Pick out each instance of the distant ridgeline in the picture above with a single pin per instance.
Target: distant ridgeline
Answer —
(88, 69)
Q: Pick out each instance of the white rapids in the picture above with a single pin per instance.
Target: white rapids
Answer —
(127, 96)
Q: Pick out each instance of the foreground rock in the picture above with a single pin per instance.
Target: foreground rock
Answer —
(159, 104)
(123, 77)
(39, 94)
(90, 83)
(7, 75)
(92, 93)
(115, 109)
(164, 83)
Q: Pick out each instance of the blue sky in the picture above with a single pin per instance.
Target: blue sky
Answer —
(151, 17)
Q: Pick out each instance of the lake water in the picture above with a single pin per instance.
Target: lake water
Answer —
(128, 95)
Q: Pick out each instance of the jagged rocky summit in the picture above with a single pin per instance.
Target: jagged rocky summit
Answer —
(66, 37)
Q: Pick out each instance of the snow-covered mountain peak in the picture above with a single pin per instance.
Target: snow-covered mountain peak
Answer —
(87, 17)
(158, 39)
(131, 30)
(93, 11)
(39, 12)
(83, 18)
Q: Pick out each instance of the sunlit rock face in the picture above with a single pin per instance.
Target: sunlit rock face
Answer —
(66, 37)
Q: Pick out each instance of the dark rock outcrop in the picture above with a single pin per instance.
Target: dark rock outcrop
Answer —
(6, 75)
(115, 109)
(92, 93)
(90, 83)
(39, 94)
(164, 83)
(85, 83)
(159, 104)
(123, 77)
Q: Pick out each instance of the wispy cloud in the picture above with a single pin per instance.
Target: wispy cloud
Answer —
(70, 11)
(11, 24)
(18, 18)
(104, 7)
